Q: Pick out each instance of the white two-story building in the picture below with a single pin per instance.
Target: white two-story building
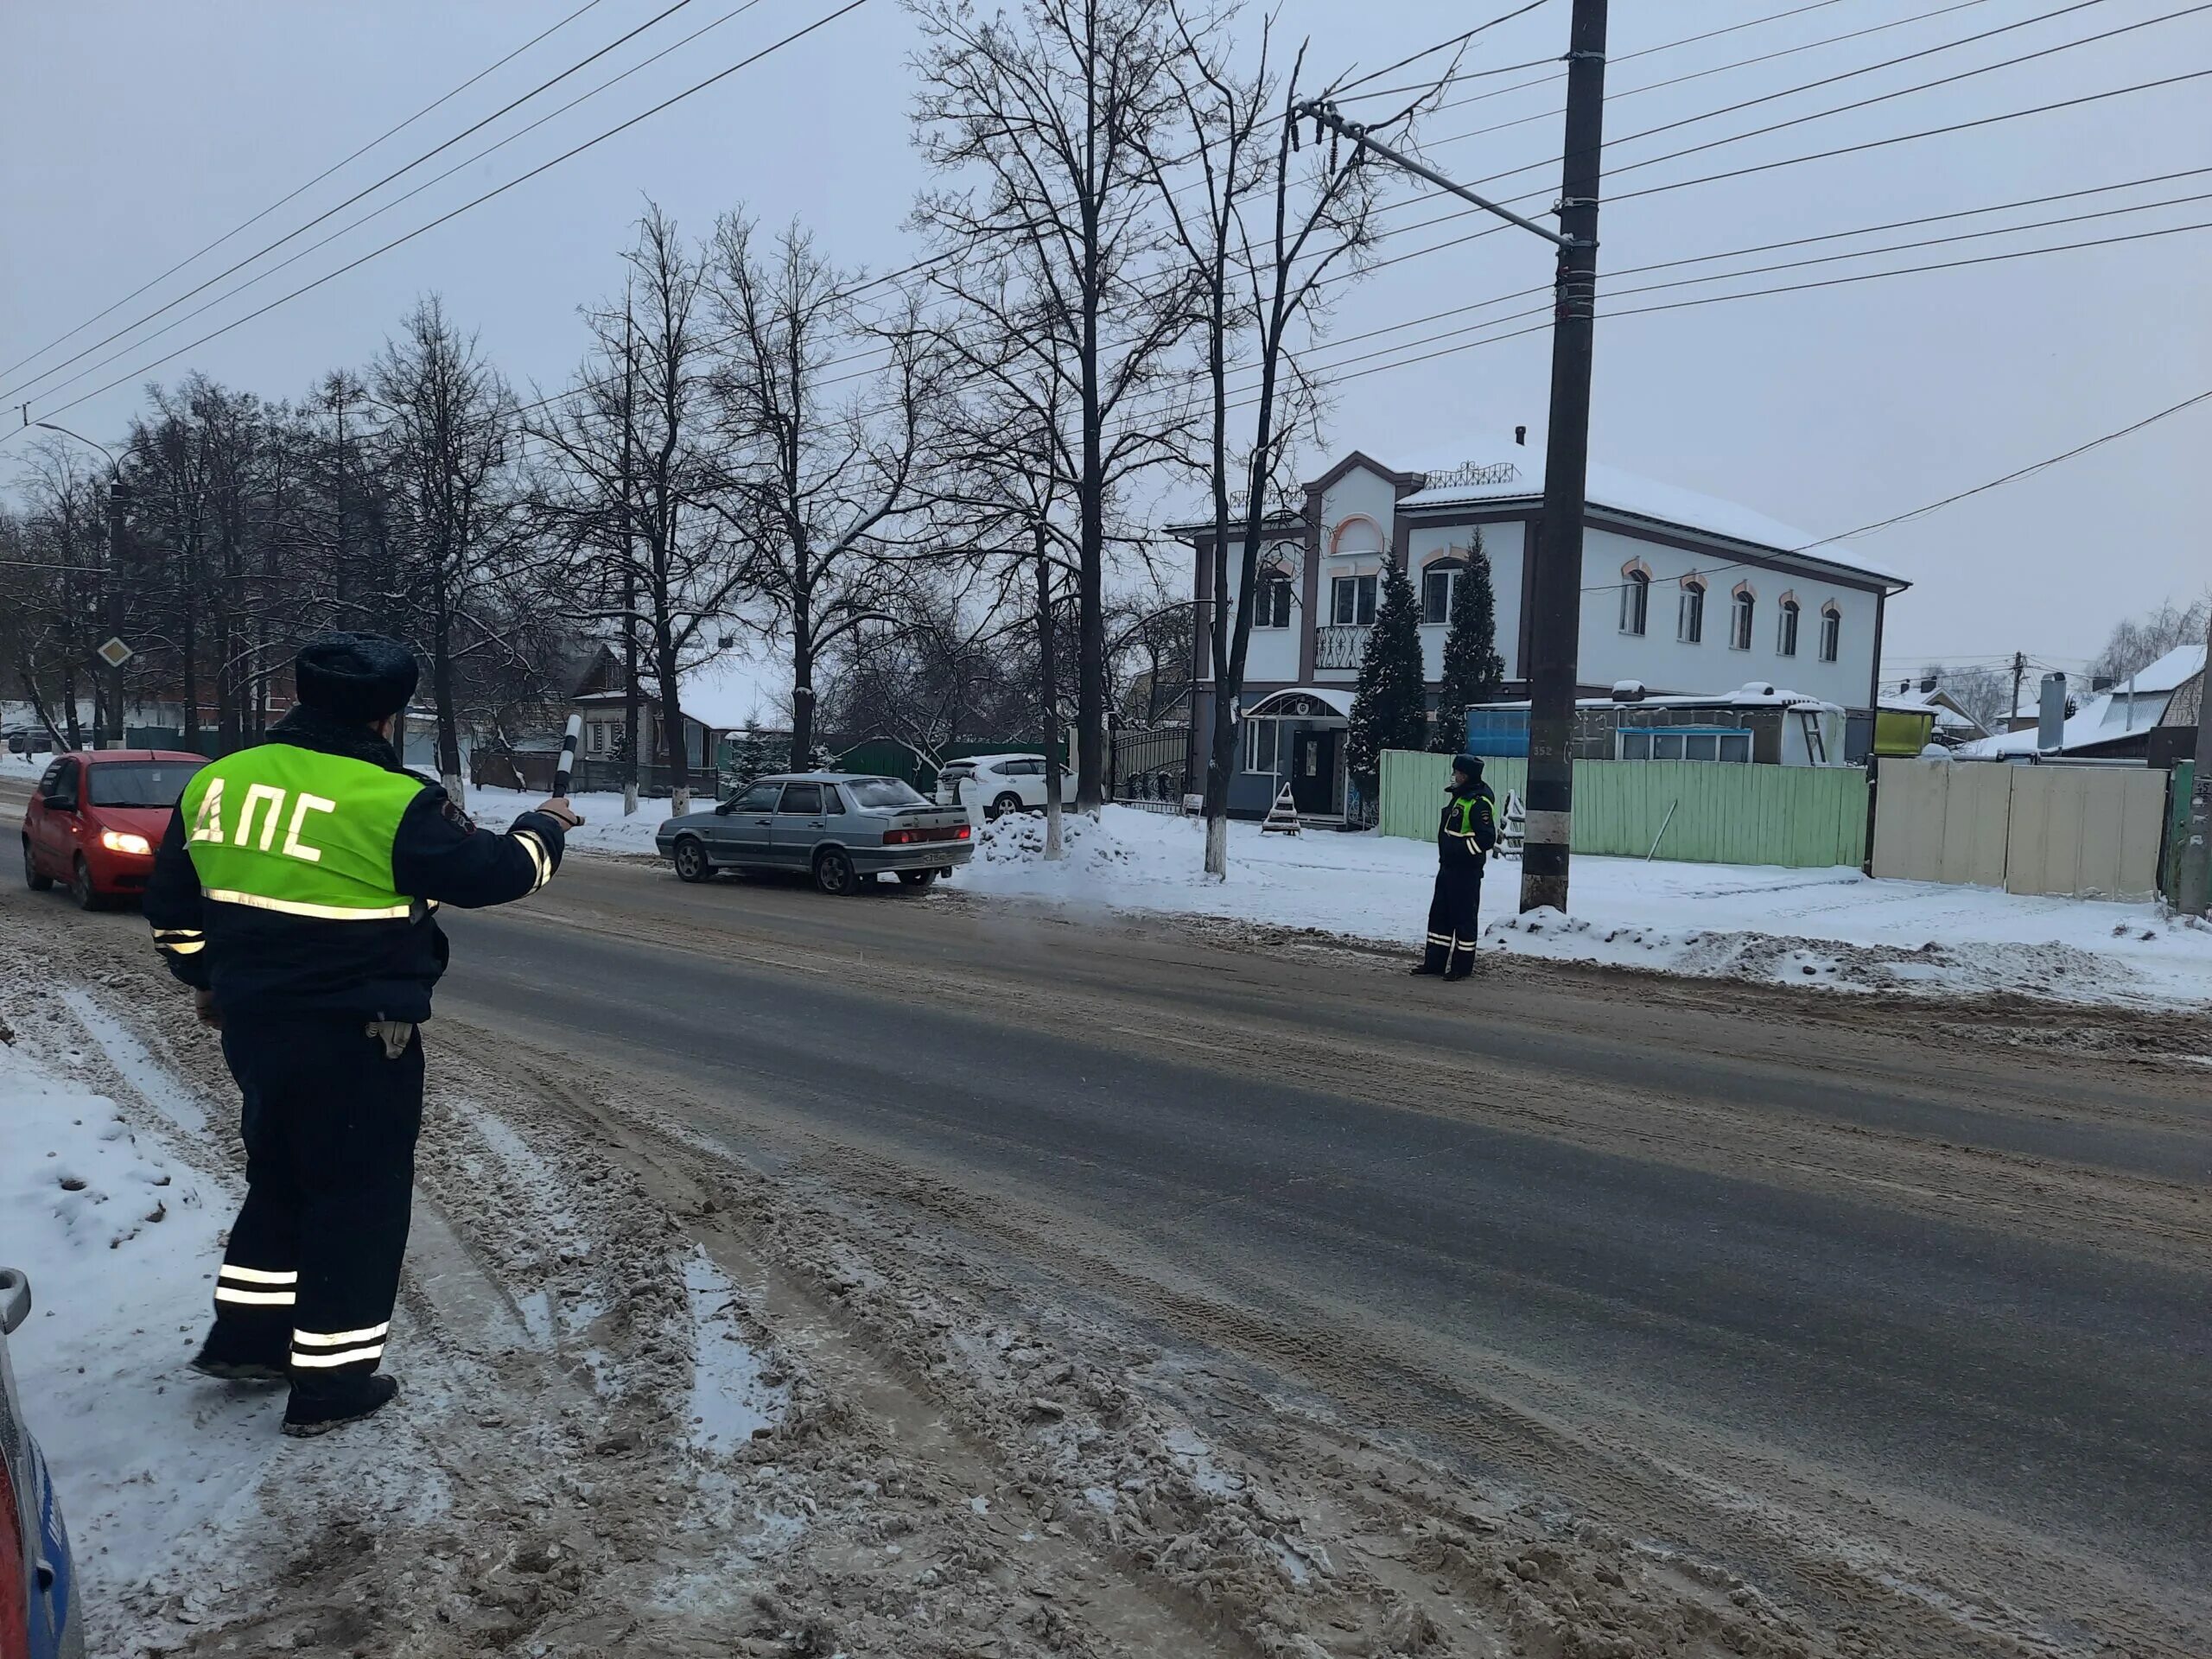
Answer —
(1682, 592)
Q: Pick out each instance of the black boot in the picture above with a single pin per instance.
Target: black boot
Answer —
(308, 1415)
(223, 1357)
(1424, 970)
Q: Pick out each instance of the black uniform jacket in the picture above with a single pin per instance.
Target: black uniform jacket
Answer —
(1468, 829)
(262, 963)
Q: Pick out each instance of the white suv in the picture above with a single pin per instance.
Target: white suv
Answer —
(999, 783)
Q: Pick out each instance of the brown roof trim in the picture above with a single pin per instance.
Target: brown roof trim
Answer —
(1359, 459)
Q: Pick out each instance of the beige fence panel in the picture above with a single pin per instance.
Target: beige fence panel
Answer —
(1943, 821)
(2084, 832)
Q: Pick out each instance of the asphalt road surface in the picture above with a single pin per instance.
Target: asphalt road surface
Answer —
(1870, 1300)
(1572, 1229)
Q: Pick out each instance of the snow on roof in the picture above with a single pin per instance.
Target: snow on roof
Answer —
(1756, 695)
(1329, 697)
(1521, 473)
(2169, 673)
(1911, 699)
(2105, 718)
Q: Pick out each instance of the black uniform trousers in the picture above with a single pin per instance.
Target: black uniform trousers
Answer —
(1452, 912)
(313, 1266)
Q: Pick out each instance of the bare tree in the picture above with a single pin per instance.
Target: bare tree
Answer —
(2138, 641)
(1263, 238)
(1063, 246)
(823, 480)
(448, 420)
(641, 490)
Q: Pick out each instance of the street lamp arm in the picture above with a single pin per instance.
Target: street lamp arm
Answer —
(1325, 114)
(113, 465)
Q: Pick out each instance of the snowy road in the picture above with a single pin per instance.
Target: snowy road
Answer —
(1901, 1313)
(1166, 1290)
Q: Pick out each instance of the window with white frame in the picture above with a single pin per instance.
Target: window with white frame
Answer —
(1785, 630)
(1636, 600)
(1831, 631)
(1438, 584)
(1260, 745)
(1273, 610)
(1351, 600)
(1741, 606)
(1689, 614)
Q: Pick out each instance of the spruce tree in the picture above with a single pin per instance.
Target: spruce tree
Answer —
(1389, 709)
(1474, 671)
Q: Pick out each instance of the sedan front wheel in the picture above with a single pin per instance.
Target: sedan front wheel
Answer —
(81, 885)
(691, 862)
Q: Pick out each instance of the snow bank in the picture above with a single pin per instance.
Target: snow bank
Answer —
(604, 828)
(119, 1240)
(1832, 927)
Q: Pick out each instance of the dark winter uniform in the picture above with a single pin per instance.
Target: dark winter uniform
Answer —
(296, 884)
(1465, 835)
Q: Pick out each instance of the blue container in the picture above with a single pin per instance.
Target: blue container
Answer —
(1500, 732)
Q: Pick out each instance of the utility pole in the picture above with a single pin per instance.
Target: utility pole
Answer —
(2020, 673)
(1554, 644)
(119, 503)
(1555, 578)
(2193, 890)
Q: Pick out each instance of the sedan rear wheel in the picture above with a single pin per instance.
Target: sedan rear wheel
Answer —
(33, 879)
(834, 873)
(81, 885)
(691, 862)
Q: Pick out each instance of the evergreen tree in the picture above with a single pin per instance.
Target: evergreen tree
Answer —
(1474, 671)
(1390, 710)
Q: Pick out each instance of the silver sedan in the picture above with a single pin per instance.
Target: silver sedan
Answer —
(842, 829)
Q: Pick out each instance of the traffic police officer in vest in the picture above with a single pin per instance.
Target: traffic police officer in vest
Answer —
(1465, 836)
(295, 892)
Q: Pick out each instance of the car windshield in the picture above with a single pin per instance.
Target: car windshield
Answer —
(882, 792)
(139, 782)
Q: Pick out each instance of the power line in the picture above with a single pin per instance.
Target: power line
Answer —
(1445, 45)
(799, 33)
(145, 341)
(343, 161)
(676, 6)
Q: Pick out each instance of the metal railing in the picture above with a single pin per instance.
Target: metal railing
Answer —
(1340, 645)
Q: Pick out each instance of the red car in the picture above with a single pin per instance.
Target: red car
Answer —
(95, 819)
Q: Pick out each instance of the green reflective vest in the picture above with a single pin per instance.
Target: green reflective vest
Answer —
(298, 831)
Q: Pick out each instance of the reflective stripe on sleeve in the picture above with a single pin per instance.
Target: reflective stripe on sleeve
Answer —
(322, 913)
(539, 858)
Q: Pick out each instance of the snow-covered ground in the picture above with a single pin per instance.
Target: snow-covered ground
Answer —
(1832, 927)
(604, 828)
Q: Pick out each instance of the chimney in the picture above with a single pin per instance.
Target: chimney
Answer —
(1927, 684)
(1521, 436)
(2100, 683)
(2052, 712)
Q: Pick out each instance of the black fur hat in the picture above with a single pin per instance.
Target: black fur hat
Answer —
(1470, 764)
(354, 676)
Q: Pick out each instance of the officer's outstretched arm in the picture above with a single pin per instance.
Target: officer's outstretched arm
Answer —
(173, 908)
(438, 853)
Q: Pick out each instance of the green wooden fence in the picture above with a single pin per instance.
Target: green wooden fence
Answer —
(1795, 815)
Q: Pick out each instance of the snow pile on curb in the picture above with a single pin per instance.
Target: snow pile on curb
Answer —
(118, 1238)
(1820, 927)
(604, 828)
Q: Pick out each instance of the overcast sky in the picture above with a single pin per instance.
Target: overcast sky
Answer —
(133, 131)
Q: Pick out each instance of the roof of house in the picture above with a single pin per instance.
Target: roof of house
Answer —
(1755, 695)
(1911, 699)
(1519, 475)
(2129, 710)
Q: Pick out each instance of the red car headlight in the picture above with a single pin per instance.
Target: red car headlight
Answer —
(122, 840)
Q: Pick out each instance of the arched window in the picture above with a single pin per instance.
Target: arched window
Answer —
(1689, 615)
(1273, 585)
(1635, 596)
(1831, 631)
(1743, 602)
(1358, 534)
(1440, 581)
(1785, 630)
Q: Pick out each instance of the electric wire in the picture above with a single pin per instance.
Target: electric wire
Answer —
(244, 225)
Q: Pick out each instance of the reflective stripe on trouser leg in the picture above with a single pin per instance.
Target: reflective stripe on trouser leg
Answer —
(238, 1287)
(326, 1351)
(1438, 951)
